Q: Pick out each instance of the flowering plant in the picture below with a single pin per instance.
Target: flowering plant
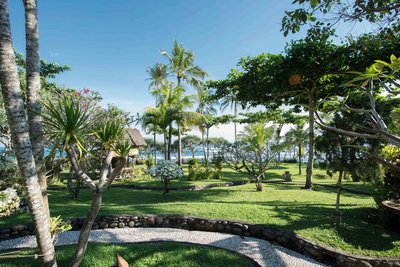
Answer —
(9, 202)
(165, 170)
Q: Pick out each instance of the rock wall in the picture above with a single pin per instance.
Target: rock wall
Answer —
(283, 238)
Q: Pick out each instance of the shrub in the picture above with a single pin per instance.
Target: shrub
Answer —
(193, 163)
(9, 202)
(166, 170)
(218, 162)
(10, 176)
(289, 160)
(58, 225)
(149, 162)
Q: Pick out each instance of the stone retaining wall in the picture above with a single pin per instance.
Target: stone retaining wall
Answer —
(283, 238)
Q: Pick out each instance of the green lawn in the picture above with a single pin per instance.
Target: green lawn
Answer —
(143, 254)
(287, 206)
(274, 174)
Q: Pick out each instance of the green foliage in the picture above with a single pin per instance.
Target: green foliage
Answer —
(320, 12)
(193, 164)
(68, 120)
(181, 64)
(58, 225)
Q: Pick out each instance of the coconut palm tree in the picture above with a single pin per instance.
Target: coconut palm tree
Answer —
(158, 77)
(162, 116)
(231, 100)
(297, 136)
(34, 107)
(14, 106)
(181, 65)
(206, 107)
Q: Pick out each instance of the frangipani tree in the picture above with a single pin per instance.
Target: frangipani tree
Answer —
(68, 120)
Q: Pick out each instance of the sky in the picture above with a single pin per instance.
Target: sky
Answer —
(109, 44)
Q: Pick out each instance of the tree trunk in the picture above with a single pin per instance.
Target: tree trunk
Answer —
(300, 155)
(85, 230)
(154, 147)
(338, 190)
(14, 105)
(169, 142)
(33, 94)
(234, 123)
(311, 135)
(165, 145)
(204, 147)
(179, 146)
(208, 146)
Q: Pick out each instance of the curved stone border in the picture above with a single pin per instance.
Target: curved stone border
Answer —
(284, 238)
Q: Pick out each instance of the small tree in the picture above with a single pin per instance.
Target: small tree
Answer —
(252, 153)
(166, 171)
(69, 121)
(191, 142)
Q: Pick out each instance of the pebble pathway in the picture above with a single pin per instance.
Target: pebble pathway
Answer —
(261, 251)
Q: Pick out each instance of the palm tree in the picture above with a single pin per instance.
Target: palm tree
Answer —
(231, 100)
(297, 136)
(181, 65)
(158, 77)
(161, 116)
(206, 107)
(14, 106)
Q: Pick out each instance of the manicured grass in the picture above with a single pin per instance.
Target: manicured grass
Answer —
(143, 254)
(307, 213)
(274, 174)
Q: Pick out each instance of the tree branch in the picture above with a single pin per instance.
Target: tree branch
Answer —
(78, 170)
(117, 170)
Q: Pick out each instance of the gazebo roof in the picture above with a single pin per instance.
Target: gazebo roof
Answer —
(134, 135)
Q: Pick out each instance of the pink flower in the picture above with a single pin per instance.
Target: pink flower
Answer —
(86, 90)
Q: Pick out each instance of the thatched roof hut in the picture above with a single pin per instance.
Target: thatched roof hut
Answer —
(136, 138)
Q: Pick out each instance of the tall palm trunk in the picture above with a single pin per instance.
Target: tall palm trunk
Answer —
(300, 155)
(179, 133)
(33, 94)
(204, 146)
(165, 145)
(14, 105)
(169, 142)
(234, 123)
(179, 145)
(154, 147)
(311, 135)
(208, 146)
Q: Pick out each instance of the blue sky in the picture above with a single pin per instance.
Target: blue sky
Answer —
(109, 44)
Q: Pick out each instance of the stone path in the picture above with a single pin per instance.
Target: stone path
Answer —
(259, 250)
